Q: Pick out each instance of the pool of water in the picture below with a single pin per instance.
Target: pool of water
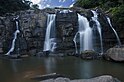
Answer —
(22, 70)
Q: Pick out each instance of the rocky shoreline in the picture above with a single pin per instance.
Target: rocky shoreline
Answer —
(59, 78)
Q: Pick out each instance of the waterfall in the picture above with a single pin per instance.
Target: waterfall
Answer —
(85, 34)
(75, 42)
(98, 26)
(15, 37)
(118, 40)
(50, 39)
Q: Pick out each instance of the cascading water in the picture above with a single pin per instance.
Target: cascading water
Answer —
(75, 42)
(85, 34)
(50, 39)
(98, 26)
(15, 37)
(118, 40)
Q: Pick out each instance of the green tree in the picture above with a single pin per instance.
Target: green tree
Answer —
(8, 6)
(35, 6)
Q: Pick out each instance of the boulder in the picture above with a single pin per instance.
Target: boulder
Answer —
(116, 54)
(104, 78)
(89, 54)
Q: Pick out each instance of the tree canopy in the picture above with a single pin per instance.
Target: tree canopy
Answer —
(113, 7)
(8, 6)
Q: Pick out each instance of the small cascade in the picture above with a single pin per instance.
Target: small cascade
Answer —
(15, 37)
(118, 40)
(85, 34)
(75, 42)
(98, 26)
(50, 38)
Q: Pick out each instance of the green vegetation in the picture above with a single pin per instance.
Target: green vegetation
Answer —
(34, 7)
(105, 4)
(118, 15)
(113, 7)
(9, 6)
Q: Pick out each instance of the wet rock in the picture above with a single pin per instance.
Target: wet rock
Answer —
(57, 54)
(24, 56)
(104, 78)
(1, 50)
(89, 54)
(41, 54)
(14, 56)
(32, 52)
(48, 77)
(116, 54)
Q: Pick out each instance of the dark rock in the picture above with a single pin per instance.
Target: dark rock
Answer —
(14, 56)
(90, 54)
(57, 54)
(66, 24)
(33, 52)
(47, 76)
(1, 50)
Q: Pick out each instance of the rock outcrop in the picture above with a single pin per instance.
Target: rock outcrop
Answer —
(90, 54)
(116, 54)
(67, 26)
(32, 29)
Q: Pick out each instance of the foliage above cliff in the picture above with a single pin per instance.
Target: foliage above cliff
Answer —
(113, 7)
(8, 6)
(105, 4)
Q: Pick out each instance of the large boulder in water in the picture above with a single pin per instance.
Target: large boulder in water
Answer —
(116, 54)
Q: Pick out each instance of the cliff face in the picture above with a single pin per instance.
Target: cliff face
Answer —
(31, 37)
(67, 26)
(32, 26)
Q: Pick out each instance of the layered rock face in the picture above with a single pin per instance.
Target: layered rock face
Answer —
(32, 26)
(31, 37)
(67, 26)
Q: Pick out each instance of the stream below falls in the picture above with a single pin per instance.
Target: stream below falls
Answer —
(21, 70)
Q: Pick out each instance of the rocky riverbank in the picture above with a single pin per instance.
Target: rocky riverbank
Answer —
(58, 78)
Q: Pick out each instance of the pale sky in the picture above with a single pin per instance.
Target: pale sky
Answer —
(53, 3)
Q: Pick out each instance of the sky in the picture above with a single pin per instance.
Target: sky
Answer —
(53, 3)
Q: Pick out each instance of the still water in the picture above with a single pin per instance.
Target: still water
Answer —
(21, 70)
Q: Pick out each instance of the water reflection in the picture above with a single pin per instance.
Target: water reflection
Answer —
(86, 69)
(50, 64)
(23, 70)
(14, 65)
